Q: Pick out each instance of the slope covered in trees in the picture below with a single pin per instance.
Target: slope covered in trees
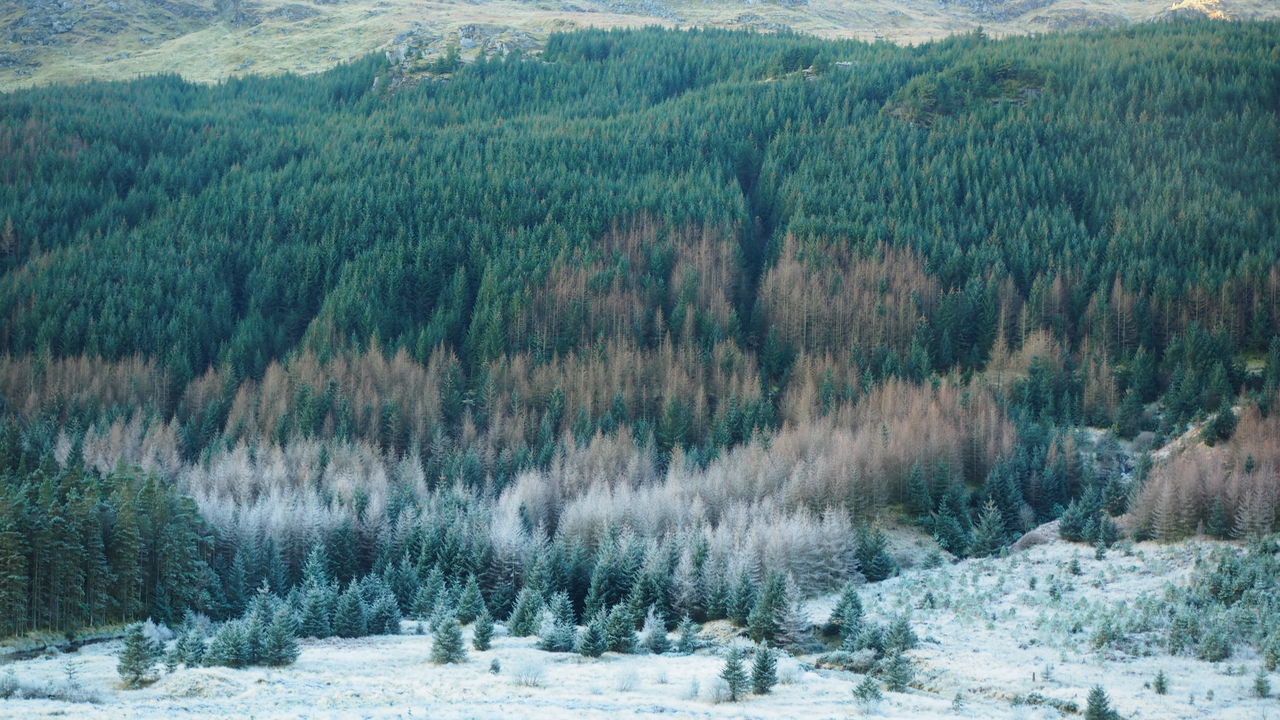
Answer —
(645, 313)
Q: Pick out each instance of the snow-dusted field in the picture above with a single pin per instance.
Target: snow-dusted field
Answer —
(988, 637)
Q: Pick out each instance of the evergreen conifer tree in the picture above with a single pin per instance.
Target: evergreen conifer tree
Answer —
(846, 616)
(384, 615)
(687, 636)
(734, 674)
(764, 670)
(482, 633)
(867, 693)
(1098, 706)
(898, 672)
(620, 629)
(190, 647)
(470, 602)
(899, 635)
(1161, 683)
(317, 611)
(446, 643)
(989, 533)
(526, 614)
(765, 621)
(139, 656)
(873, 555)
(1261, 684)
(654, 634)
(349, 614)
(229, 646)
(593, 642)
(280, 646)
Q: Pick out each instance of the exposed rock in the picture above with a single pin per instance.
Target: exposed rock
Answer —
(293, 13)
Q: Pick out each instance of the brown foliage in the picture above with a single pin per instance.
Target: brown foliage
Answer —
(1243, 473)
(823, 299)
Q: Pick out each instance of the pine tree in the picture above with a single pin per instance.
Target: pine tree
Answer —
(919, 502)
(989, 533)
(482, 633)
(424, 600)
(1223, 424)
(846, 616)
(317, 611)
(654, 634)
(764, 670)
(1161, 683)
(229, 646)
(1261, 684)
(948, 532)
(867, 693)
(190, 647)
(280, 646)
(899, 636)
(733, 674)
(898, 672)
(384, 615)
(470, 603)
(1098, 706)
(349, 613)
(687, 640)
(446, 643)
(526, 613)
(873, 555)
(593, 642)
(620, 629)
(138, 657)
(765, 621)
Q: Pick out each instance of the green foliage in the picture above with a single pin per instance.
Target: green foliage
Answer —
(734, 674)
(867, 692)
(526, 614)
(1261, 684)
(764, 670)
(846, 616)
(230, 646)
(873, 555)
(897, 671)
(654, 633)
(349, 619)
(989, 534)
(593, 641)
(470, 603)
(280, 646)
(687, 632)
(1099, 706)
(482, 632)
(446, 643)
(1161, 683)
(620, 629)
(138, 658)
(765, 621)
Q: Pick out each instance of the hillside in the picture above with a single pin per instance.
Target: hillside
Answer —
(44, 41)
(647, 330)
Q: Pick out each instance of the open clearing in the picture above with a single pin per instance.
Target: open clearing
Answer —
(986, 635)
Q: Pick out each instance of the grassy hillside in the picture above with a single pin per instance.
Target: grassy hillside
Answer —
(45, 41)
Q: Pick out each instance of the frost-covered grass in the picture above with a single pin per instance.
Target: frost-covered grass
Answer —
(1000, 638)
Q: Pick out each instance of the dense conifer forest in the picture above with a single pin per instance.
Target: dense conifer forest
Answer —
(650, 320)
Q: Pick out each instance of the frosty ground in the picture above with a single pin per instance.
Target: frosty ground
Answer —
(997, 641)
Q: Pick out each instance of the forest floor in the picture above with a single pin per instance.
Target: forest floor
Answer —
(990, 631)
